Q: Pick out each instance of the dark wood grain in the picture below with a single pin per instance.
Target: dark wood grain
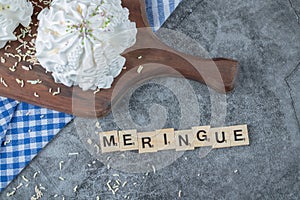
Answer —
(158, 60)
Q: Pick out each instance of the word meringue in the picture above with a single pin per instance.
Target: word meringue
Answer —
(80, 41)
(13, 13)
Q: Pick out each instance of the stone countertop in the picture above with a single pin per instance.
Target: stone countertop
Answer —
(264, 36)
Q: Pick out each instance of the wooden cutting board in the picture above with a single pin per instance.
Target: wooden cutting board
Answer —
(158, 60)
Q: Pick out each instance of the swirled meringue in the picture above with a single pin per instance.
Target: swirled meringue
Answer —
(13, 13)
(80, 41)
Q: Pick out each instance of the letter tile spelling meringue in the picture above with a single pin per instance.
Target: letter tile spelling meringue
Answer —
(13, 13)
(80, 41)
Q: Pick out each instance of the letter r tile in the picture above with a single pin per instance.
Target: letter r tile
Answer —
(147, 142)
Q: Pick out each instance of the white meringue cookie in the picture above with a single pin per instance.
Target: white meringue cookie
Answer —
(80, 41)
(13, 13)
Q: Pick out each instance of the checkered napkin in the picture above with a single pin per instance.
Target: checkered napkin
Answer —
(25, 129)
(7, 109)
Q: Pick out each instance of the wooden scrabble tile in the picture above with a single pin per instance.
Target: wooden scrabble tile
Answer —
(147, 142)
(201, 136)
(184, 140)
(109, 141)
(220, 137)
(128, 140)
(239, 135)
(165, 139)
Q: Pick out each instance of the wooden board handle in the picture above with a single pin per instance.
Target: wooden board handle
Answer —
(217, 73)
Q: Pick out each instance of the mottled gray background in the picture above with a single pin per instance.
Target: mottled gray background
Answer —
(264, 36)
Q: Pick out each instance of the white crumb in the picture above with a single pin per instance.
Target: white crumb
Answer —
(140, 69)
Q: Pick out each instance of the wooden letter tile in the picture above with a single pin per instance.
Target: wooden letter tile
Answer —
(239, 135)
(184, 140)
(109, 141)
(128, 140)
(147, 142)
(201, 136)
(165, 139)
(220, 137)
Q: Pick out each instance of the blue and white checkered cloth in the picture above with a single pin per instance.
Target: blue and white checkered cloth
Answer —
(25, 129)
(7, 109)
(28, 129)
(159, 10)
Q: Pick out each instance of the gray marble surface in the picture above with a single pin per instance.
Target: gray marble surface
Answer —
(264, 36)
